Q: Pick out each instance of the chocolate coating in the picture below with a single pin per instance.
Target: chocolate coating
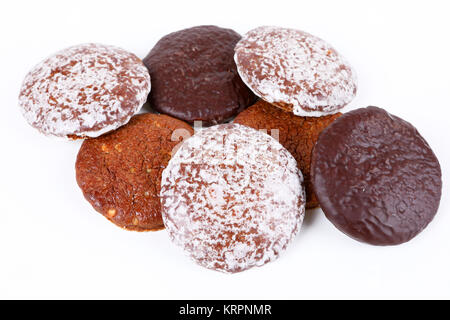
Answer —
(376, 178)
(194, 76)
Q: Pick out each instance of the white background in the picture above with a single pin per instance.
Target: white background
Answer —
(54, 245)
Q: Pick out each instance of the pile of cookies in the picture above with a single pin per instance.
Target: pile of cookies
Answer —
(273, 142)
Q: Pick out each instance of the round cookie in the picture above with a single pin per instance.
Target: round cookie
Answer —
(295, 71)
(194, 76)
(120, 172)
(376, 178)
(297, 134)
(84, 91)
(232, 198)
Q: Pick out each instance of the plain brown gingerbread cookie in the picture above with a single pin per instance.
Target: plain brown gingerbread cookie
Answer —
(297, 134)
(120, 172)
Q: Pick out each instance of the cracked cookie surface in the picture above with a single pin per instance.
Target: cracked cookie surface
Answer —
(120, 172)
(297, 134)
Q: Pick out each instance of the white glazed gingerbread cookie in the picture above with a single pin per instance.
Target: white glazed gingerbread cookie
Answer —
(295, 71)
(232, 197)
(84, 91)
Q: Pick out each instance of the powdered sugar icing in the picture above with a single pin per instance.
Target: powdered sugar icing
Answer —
(85, 91)
(294, 69)
(232, 198)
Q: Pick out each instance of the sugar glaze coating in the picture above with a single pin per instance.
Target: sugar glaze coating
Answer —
(84, 91)
(232, 198)
(295, 71)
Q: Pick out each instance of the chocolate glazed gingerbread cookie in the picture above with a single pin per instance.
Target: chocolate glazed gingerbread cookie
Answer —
(194, 76)
(120, 172)
(376, 178)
